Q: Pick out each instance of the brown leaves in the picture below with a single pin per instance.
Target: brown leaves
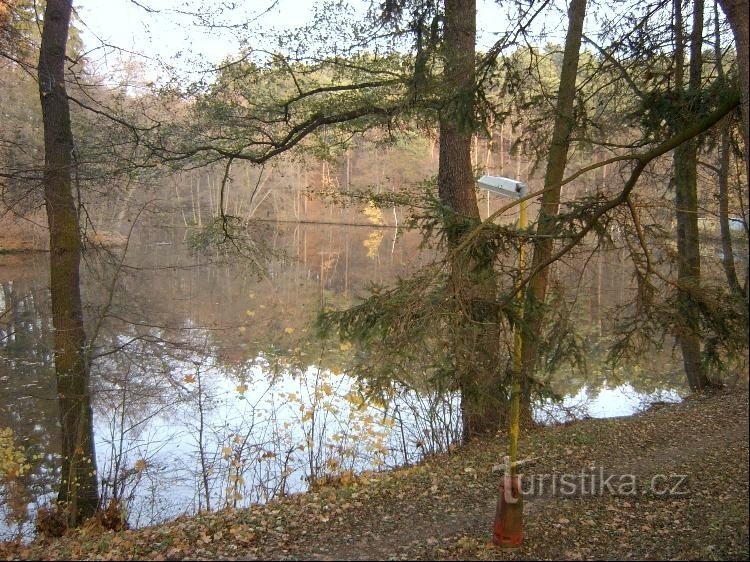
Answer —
(242, 534)
(444, 508)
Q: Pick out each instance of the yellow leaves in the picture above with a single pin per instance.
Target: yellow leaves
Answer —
(189, 379)
(140, 465)
(242, 329)
(374, 214)
(347, 479)
(226, 451)
(377, 401)
(12, 458)
(241, 388)
(289, 330)
(268, 455)
(355, 399)
(372, 243)
(327, 389)
(250, 313)
(345, 346)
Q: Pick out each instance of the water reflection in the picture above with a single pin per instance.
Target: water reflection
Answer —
(603, 402)
(208, 391)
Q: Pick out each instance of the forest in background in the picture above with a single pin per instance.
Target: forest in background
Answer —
(650, 145)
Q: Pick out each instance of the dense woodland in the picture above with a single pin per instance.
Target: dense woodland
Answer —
(631, 135)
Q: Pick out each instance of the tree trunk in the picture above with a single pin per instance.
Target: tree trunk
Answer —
(686, 207)
(727, 259)
(723, 175)
(536, 292)
(472, 282)
(737, 14)
(78, 494)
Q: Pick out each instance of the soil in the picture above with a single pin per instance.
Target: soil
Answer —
(687, 463)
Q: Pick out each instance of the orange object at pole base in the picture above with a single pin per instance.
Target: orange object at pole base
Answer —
(508, 529)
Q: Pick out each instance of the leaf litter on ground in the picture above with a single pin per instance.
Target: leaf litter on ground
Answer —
(444, 507)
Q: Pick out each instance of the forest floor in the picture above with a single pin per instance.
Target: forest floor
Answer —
(444, 508)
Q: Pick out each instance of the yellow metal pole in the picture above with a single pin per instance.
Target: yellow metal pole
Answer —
(508, 528)
(515, 392)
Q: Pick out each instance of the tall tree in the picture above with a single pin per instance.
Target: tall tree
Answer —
(724, 155)
(686, 198)
(78, 494)
(472, 279)
(737, 14)
(557, 159)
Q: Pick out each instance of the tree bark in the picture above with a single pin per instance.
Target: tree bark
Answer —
(472, 279)
(727, 261)
(686, 206)
(536, 291)
(78, 493)
(737, 14)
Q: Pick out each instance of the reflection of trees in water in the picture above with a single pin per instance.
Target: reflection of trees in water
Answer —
(163, 312)
(133, 387)
(606, 303)
(171, 317)
(27, 391)
(25, 325)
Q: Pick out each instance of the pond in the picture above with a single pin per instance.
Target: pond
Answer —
(210, 391)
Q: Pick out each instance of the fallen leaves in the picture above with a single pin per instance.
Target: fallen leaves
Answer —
(443, 508)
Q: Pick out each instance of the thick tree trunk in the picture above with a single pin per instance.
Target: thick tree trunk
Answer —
(686, 209)
(472, 283)
(688, 252)
(536, 292)
(78, 493)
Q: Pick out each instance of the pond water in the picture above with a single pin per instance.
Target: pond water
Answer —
(210, 391)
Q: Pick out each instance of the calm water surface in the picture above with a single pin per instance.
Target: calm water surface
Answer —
(209, 391)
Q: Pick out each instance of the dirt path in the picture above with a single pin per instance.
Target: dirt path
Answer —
(669, 440)
(444, 508)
